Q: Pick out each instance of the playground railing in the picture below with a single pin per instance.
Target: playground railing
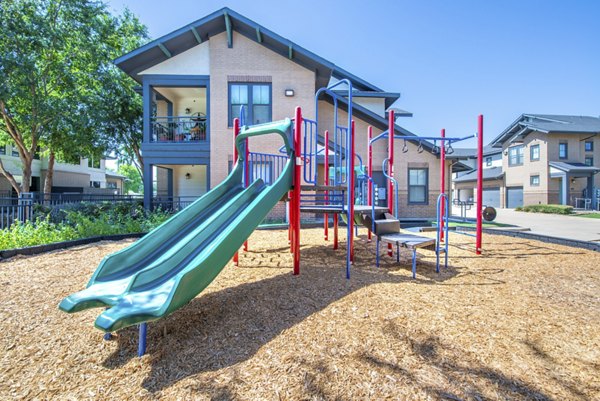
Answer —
(442, 224)
(266, 166)
(394, 183)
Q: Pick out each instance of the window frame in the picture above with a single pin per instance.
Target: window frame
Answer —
(566, 145)
(516, 149)
(591, 159)
(531, 149)
(488, 161)
(250, 111)
(2, 149)
(531, 183)
(591, 148)
(409, 186)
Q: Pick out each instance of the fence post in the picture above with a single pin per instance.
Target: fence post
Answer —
(25, 209)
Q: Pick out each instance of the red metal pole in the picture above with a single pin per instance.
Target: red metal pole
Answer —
(479, 182)
(442, 181)
(351, 205)
(326, 182)
(236, 131)
(370, 174)
(297, 187)
(391, 206)
(335, 230)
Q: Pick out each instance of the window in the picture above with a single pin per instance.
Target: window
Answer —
(515, 155)
(589, 146)
(563, 150)
(534, 153)
(589, 161)
(2, 149)
(257, 100)
(15, 151)
(418, 186)
(94, 162)
(111, 185)
(488, 161)
(534, 180)
(94, 184)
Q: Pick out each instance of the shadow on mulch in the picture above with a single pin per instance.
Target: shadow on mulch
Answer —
(226, 327)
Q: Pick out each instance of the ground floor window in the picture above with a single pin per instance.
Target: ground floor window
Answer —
(418, 185)
(589, 161)
(534, 180)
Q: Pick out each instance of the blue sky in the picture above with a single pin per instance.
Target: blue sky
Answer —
(450, 60)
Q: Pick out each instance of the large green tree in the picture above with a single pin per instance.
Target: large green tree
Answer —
(55, 74)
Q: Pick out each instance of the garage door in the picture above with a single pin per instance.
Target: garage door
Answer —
(491, 197)
(514, 197)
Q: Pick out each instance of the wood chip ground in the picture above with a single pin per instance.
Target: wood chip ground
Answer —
(520, 322)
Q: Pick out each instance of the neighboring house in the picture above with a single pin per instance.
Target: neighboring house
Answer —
(89, 176)
(465, 183)
(195, 79)
(550, 159)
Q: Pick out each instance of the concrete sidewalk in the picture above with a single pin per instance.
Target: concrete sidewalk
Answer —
(554, 225)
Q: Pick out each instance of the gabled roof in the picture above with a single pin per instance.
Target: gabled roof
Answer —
(493, 173)
(547, 123)
(227, 20)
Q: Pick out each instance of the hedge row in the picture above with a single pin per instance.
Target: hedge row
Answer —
(553, 209)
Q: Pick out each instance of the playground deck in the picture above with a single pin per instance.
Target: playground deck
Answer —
(520, 322)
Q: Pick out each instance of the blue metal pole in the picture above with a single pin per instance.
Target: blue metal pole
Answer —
(414, 263)
(142, 339)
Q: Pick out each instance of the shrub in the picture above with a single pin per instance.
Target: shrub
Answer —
(81, 221)
(553, 209)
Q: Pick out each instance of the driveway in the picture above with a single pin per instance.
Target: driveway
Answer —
(554, 225)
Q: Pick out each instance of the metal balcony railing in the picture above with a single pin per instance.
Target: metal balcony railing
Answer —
(178, 129)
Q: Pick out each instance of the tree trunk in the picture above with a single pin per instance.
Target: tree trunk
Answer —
(26, 183)
(49, 176)
(10, 178)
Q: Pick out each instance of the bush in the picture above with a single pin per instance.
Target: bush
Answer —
(80, 221)
(553, 209)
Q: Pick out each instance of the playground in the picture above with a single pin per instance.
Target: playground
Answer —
(521, 321)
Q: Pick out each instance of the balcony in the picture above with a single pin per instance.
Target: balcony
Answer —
(178, 129)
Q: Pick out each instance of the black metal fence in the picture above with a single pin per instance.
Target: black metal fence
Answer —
(21, 208)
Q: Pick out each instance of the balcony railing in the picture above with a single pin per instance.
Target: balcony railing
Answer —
(178, 129)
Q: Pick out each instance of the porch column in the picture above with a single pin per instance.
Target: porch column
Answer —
(147, 186)
(170, 183)
(566, 189)
(590, 191)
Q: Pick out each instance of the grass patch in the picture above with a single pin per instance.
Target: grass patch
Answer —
(589, 215)
(550, 209)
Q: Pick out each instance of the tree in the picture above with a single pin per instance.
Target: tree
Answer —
(56, 67)
(133, 181)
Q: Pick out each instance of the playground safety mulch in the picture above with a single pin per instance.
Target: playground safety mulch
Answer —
(520, 322)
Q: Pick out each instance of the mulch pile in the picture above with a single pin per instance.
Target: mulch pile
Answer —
(520, 322)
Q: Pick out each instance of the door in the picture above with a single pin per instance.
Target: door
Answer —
(491, 197)
(514, 197)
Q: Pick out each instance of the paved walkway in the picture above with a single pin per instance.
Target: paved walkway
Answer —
(555, 225)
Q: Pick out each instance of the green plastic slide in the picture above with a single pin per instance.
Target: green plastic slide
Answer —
(173, 263)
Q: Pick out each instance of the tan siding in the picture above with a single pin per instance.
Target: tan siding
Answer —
(250, 58)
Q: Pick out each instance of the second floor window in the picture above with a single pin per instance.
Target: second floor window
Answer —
(563, 150)
(515, 155)
(589, 146)
(534, 153)
(257, 100)
(2, 149)
(488, 161)
(589, 161)
(15, 152)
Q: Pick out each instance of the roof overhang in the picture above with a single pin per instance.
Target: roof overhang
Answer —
(575, 170)
(227, 20)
